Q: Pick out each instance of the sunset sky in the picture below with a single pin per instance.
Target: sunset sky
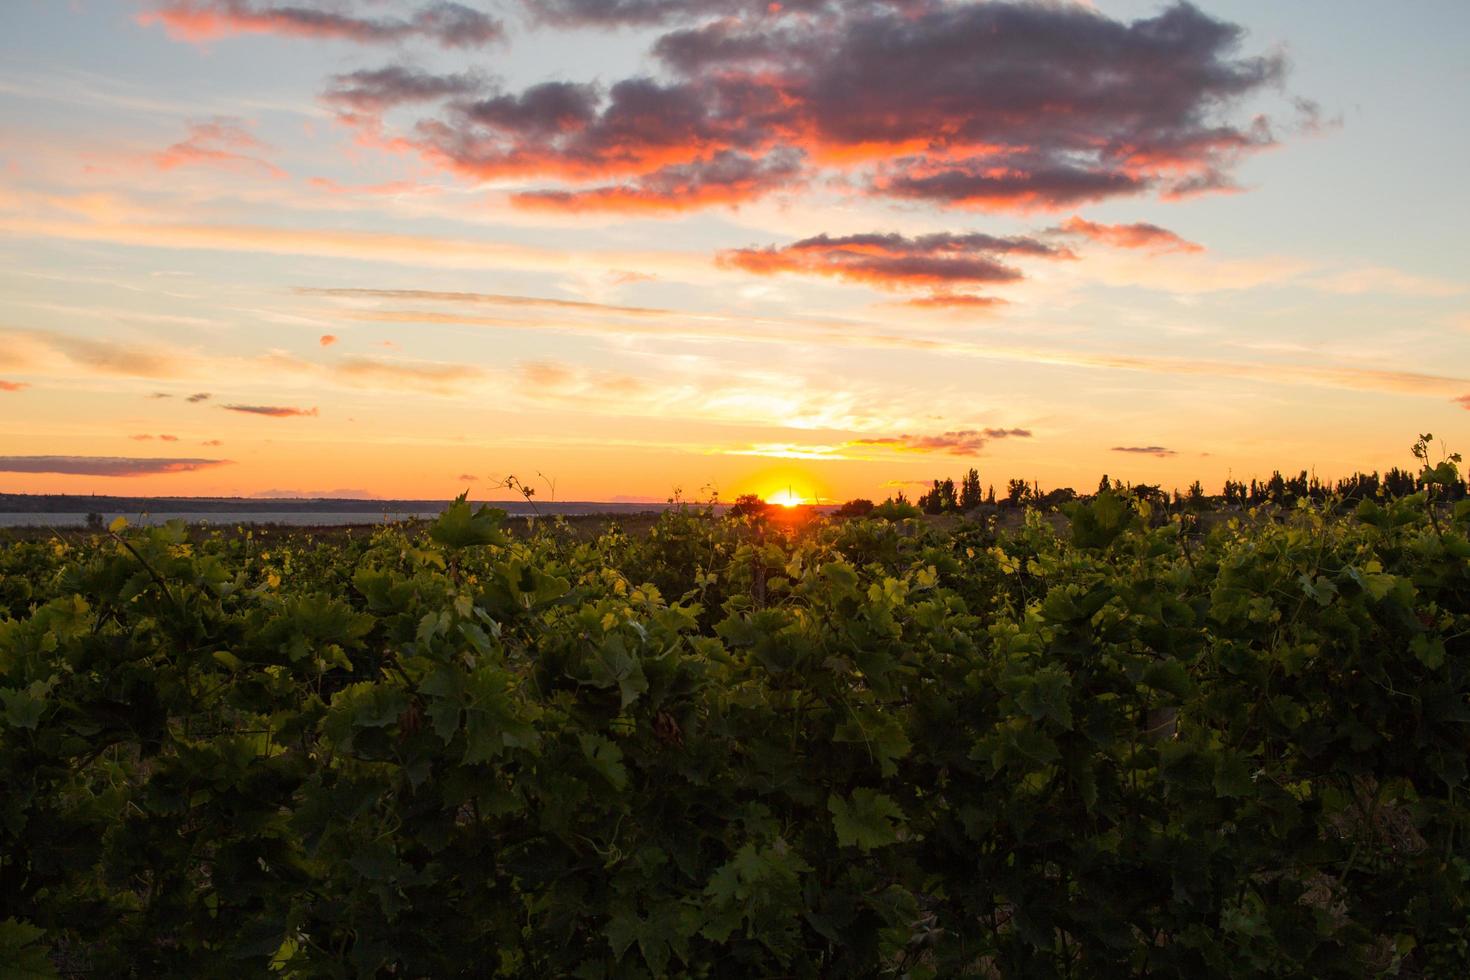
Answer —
(404, 247)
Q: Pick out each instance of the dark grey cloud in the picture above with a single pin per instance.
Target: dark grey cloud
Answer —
(998, 105)
(940, 262)
(1159, 451)
(271, 411)
(105, 465)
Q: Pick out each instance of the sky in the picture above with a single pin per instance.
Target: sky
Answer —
(627, 249)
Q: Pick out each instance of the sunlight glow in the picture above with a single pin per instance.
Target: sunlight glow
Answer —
(785, 498)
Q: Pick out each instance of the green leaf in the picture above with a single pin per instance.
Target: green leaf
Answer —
(883, 735)
(1233, 775)
(606, 758)
(22, 709)
(1097, 524)
(459, 527)
(1428, 650)
(22, 956)
(1169, 676)
(866, 820)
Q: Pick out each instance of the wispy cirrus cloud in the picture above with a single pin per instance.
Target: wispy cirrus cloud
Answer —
(451, 25)
(66, 353)
(1161, 452)
(488, 299)
(1138, 235)
(13, 385)
(426, 376)
(105, 465)
(223, 141)
(941, 263)
(993, 106)
(272, 411)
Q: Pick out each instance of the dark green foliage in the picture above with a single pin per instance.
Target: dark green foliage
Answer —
(725, 750)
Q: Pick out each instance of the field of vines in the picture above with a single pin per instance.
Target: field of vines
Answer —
(1111, 746)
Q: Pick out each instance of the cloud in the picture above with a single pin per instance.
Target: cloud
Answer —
(376, 90)
(963, 442)
(1138, 235)
(360, 98)
(726, 178)
(999, 105)
(327, 340)
(341, 493)
(428, 376)
(65, 353)
(467, 478)
(451, 25)
(938, 262)
(955, 301)
(105, 465)
(13, 385)
(491, 299)
(1158, 451)
(273, 411)
(219, 142)
(1463, 401)
(565, 382)
(198, 396)
(617, 13)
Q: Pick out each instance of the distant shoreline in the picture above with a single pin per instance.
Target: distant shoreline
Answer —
(20, 503)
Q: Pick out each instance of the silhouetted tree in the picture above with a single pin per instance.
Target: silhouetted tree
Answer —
(1103, 486)
(1017, 492)
(1400, 483)
(940, 499)
(970, 490)
(1057, 497)
(858, 507)
(749, 504)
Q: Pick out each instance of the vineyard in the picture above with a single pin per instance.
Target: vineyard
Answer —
(1130, 746)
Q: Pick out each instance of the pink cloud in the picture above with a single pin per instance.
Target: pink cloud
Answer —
(940, 263)
(452, 25)
(963, 442)
(219, 142)
(1139, 235)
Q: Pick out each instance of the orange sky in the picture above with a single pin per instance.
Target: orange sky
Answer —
(248, 250)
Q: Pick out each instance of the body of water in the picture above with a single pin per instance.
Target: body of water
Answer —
(223, 519)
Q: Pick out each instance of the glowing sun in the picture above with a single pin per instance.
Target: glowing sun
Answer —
(785, 498)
